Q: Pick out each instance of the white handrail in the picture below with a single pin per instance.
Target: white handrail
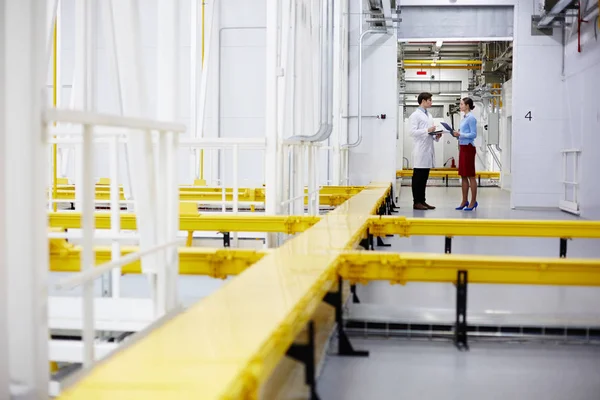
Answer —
(83, 277)
(117, 121)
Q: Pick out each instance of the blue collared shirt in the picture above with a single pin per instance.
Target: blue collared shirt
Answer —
(468, 130)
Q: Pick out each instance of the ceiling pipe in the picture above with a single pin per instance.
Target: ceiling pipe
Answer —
(551, 15)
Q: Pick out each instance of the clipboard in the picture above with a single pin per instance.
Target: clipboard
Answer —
(436, 132)
(447, 127)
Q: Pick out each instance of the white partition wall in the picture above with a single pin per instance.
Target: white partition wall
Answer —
(374, 159)
(24, 256)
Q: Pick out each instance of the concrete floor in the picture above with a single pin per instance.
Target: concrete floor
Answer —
(413, 369)
(400, 369)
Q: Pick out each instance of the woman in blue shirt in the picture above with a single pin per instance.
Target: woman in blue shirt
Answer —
(466, 156)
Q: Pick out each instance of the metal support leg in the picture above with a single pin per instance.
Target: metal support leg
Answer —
(460, 330)
(344, 346)
(355, 298)
(479, 181)
(226, 239)
(448, 245)
(447, 180)
(305, 353)
(563, 248)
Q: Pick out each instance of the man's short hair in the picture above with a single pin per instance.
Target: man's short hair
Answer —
(425, 96)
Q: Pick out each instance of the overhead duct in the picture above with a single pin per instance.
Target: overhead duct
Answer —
(553, 9)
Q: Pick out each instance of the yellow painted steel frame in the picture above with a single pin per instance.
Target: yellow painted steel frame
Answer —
(361, 267)
(446, 173)
(216, 263)
(198, 195)
(226, 346)
(392, 225)
(198, 222)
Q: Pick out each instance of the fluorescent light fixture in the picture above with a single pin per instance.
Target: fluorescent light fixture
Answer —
(450, 94)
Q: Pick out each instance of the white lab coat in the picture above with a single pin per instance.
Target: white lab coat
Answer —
(423, 153)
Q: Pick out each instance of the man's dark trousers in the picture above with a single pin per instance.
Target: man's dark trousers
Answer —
(419, 181)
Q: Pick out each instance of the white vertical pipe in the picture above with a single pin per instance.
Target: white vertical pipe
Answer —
(194, 86)
(311, 176)
(162, 172)
(87, 253)
(23, 174)
(235, 188)
(299, 182)
(222, 180)
(4, 228)
(317, 183)
(115, 214)
(271, 117)
(83, 87)
(173, 219)
(140, 150)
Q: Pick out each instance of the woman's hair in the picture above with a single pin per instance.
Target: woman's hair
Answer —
(468, 101)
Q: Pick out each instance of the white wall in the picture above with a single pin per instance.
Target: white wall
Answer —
(506, 136)
(375, 158)
(582, 108)
(537, 88)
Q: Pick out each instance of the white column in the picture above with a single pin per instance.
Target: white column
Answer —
(167, 106)
(4, 326)
(340, 87)
(24, 167)
(84, 77)
(140, 149)
(272, 203)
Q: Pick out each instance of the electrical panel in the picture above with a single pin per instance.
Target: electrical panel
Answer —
(493, 128)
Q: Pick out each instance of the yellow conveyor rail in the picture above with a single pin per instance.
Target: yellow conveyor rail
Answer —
(362, 266)
(378, 225)
(328, 196)
(226, 346)
(196, 222)
(447, 173)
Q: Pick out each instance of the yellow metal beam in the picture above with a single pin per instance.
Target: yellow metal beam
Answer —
(330, 197)
(391, 225)
(405, 173)
(362, 266)
(349, 190)
(416, 267)
(198, 222)
(216, 263)
(429, 66)
(226, 346)
(443, 62)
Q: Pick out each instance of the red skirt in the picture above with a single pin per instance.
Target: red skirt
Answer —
(466, 160)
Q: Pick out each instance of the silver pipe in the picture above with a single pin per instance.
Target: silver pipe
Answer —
(326, 122)
(360, 51)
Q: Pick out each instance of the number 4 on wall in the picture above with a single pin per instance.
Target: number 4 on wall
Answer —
(528, 115)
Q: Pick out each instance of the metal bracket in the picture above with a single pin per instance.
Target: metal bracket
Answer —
(345, 348)
(460, 329)
(563, 248)
(226, 239)
(305, 353)
(380, 243)
(448, 245)
(355, 298)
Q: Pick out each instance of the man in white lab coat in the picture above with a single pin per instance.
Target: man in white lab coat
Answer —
(421, 127)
